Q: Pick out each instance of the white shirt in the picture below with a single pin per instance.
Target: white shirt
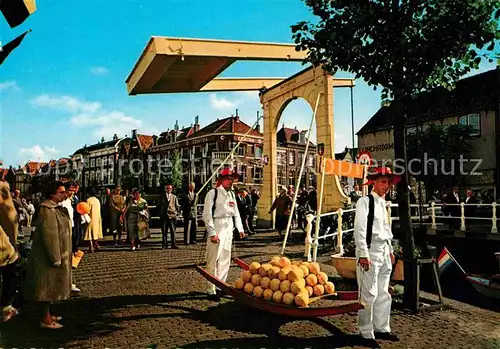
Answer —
(225, 207)
(381, 233)
(67, 204)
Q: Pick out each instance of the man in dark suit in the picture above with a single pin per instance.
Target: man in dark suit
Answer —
(254, 198)
(470, 211)
(190, 213)
(454, 209)
(244, 209)
(169, 206)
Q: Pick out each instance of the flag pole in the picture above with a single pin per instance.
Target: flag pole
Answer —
(453, 258)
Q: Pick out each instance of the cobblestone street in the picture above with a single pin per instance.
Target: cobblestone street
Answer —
(151, 298)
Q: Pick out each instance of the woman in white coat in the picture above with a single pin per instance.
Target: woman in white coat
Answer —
(94, 228)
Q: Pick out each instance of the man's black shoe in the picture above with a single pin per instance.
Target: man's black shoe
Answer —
(175, 247)
(369, 343)
(387, 336)
(213, 298)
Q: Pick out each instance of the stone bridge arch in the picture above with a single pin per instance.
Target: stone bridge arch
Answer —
(307, 84)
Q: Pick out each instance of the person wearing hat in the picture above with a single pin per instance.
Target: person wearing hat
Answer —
(220, 214)
(117, 206)
(374, 253)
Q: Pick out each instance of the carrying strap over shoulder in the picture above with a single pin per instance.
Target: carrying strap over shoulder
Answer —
(215, 201)
(371, 216)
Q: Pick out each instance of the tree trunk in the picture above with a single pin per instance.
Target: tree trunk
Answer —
(410, 300)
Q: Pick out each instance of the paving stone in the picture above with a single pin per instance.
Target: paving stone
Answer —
(152, 296)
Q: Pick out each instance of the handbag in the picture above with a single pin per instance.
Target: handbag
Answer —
(145, 215)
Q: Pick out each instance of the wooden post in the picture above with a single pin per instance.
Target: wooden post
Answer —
(309, 242)
(340, 247)
(494, 218)
(462, 216)
(436, 280)
(433, 217)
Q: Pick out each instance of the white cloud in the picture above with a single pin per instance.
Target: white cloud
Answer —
(99, 71)
(91, 115)
(341, 141)
(106, 124)
(36, 153)
(221, 103)
(67, 103)
(9, 85)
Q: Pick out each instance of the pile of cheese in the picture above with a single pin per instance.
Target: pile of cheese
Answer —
(283, 281)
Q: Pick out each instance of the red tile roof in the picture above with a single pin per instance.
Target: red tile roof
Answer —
(32, 167)
(289, 135)
(63, 161)
(145, 141)
(228, 125)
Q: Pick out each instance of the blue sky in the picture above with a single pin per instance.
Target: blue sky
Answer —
(65, 85)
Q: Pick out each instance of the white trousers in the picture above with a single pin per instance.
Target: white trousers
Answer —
(374, 292)
(219, 254)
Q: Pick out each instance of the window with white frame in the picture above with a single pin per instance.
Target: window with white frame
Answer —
(105, 176)
(258, 152)
(98, 162)
(257, 174)
(243, 174)
(472, 120)
(281, 158)
(92, 162)
(311, 160)
(291, 157)
(110, 177)
(104, 161)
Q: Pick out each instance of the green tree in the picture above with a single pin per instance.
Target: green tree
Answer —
(433, 153)
(405, 47)
(125, 177)
(175, 171)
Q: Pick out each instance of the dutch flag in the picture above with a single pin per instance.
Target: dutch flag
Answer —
(444, 260)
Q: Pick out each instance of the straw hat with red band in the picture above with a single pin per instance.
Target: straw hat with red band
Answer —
(227, 173)
(377, 172)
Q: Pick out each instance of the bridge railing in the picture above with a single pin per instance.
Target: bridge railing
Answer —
(431, 212)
